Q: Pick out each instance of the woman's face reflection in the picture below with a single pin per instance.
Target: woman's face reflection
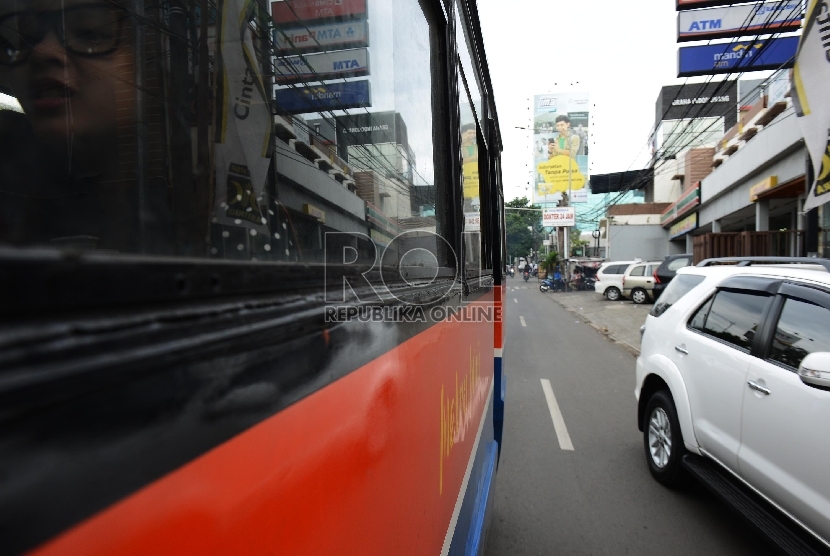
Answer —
(69, 64)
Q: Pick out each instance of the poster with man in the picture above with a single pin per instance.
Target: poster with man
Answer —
(560, 146)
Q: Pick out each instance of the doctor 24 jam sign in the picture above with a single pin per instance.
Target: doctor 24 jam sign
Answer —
(559, 216)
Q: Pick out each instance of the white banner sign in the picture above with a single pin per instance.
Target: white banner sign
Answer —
(322, 65)
(579, 196)
(472, 222)
(745, 19)
(321, 37)
(559, 216)
(245, 125)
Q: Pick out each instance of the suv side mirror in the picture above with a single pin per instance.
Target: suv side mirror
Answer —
(815, 369)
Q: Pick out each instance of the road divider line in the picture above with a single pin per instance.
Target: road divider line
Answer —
(523, 321)
(515, 300)
(558, 421)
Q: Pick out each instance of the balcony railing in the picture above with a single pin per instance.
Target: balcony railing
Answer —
(789, 243)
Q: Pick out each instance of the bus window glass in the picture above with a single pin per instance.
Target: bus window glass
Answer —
(170, 133)
(471, 147)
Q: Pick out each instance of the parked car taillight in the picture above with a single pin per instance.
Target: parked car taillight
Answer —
(656, 278)
(623, 281)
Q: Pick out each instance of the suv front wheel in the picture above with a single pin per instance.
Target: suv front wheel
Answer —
(663, 441)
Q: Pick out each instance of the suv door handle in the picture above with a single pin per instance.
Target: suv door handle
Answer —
(681, 349)
(757, 387)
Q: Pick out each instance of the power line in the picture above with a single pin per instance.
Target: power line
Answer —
(595, 212)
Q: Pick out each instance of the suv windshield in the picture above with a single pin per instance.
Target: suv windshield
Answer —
(676, 289)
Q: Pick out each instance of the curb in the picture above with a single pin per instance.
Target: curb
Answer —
(602, 330)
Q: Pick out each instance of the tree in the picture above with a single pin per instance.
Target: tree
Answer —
(520, 240)
(550, 263)
(577, 244)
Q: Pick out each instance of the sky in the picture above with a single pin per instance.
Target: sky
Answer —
(621, 53)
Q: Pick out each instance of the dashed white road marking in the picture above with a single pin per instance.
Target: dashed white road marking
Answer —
(523, 321)
(515, 300)
(558, 421)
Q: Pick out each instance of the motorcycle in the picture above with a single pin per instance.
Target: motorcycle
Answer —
(526, 275)
(590, 283)
(547, 284)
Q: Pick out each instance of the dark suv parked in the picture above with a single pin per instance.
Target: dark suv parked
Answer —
(666, 271)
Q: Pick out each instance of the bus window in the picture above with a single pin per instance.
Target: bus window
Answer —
(177, 134)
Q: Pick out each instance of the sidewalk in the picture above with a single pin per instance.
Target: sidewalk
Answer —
(620, 321)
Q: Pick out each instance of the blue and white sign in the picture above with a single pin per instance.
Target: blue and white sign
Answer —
(322, 98)
(321, 37)
(741, 20)
(778, 88)
(710, 59)
(322, 65)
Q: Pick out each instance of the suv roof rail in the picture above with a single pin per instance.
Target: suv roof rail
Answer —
(749, 261)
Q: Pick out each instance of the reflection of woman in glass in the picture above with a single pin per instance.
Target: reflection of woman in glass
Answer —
(69, 63)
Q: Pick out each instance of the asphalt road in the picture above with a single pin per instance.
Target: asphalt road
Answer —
(599, 497)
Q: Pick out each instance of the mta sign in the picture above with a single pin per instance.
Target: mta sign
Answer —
(332, 36)
(321, 65)
(344, 65)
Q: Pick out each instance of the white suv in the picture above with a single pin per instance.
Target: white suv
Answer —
(733, 389)
(609, 280)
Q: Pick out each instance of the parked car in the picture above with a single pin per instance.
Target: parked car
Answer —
(638, 281)
(609, 278)
(733, 389)
(666, 271)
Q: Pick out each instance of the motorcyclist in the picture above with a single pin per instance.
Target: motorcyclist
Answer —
(557, 279)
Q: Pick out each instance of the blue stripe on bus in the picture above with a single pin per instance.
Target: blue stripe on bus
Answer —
(484, 504)
(499, 393)
(468, 525)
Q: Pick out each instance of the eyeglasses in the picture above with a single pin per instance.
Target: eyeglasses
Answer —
(84, 30)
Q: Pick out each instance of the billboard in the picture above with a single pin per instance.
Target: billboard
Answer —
(322, 98)
(319, 38)
(374, 128)
(322, 65)
(768, 54)
(735, 21)
(469, 167)
(698, 100)
(300, 11)
(560, 145)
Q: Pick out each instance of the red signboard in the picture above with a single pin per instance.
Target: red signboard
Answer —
(297, 11)
(693, 4)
